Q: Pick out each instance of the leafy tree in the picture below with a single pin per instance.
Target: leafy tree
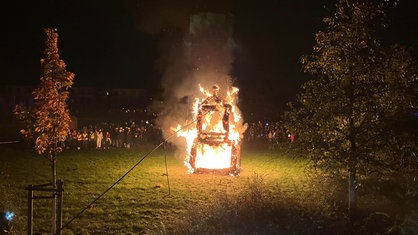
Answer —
(346, 115)
(52, 115)
(48, 122)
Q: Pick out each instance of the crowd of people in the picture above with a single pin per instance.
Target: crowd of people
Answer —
(108, 135)
(273, 132)
(131, 134)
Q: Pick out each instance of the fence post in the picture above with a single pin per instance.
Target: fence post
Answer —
(30, 209)
(60, 202)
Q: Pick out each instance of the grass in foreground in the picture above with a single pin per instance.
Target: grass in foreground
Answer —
(273, 195)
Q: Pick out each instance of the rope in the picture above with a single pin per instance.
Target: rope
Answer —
(129, 171)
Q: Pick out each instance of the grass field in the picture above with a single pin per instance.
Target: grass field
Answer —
(274, 194)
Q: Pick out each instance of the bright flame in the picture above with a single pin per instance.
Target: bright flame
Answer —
(214, 137)
(214, 157)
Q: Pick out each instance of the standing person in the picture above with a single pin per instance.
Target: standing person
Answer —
(79, 140)
(128, 138)
(115, 138)
(135, 141)
(85, 137)
(113, 131)
(99, 139)
(108, 140)
(292, 137)
(270, 136)
(120, 137)
(92, 139)
(74, 139)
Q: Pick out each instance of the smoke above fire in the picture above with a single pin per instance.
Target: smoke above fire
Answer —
(203, 57)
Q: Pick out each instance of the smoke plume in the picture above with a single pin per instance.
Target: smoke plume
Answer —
(203, 57)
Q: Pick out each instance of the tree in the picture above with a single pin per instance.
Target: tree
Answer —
(52, 115)
(345, 116)
(49, 121)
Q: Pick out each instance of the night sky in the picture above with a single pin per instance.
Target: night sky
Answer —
(120, 43)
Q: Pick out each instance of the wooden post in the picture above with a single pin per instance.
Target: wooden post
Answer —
(166, 169)
(60, 191)
(54, 193)
(31, 189)
(30, 209)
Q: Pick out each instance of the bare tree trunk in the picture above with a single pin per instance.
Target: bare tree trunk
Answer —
(352, 157)
(351, 192)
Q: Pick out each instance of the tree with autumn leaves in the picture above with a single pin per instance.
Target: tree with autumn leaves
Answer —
(349, 115)
(52, 115)
(48, 122)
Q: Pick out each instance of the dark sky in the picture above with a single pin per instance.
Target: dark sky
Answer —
(117, 43)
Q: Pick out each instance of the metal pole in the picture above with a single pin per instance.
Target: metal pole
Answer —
(30, 209)
(166, 169)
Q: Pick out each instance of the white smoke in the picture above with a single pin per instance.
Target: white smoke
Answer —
(204, 57)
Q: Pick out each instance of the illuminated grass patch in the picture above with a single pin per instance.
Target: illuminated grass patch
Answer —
(273, 194)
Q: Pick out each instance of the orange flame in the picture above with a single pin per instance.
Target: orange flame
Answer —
(213, 139)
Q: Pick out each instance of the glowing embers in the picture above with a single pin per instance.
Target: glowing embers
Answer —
(212, 156)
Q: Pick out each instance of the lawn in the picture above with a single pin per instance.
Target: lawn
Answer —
(275, 193)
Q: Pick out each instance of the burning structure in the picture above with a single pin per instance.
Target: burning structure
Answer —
(212, 126)
(214, 144)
